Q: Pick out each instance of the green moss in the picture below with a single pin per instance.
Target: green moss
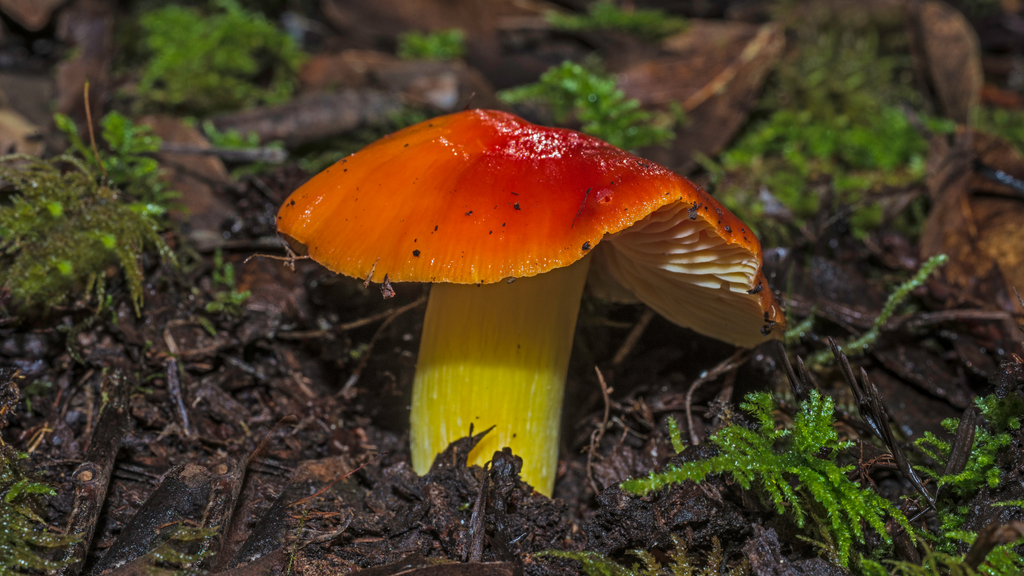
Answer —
(217, 61)
(681, 562)
(126, 159)
(835, 127)
(674, 436)
(227, 298)
(574, 92)
(440, 45)
(794, 470)
(860, 344)
(992, 437)
(60, 230)
(24, 537)
(606, 15)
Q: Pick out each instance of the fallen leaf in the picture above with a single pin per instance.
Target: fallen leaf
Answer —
(491, 46)
(444, 85)
(88, 25)
(714, 70)
(19, 135)
(975, 221)
(28, 95)
(954, 58)
(33, 15)
(198, 178)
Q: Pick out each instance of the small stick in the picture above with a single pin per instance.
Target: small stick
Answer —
(595, 438)
(633, 337)
(476, 521)
(92, 135)
(345, 390)
(174, 388)
(263, 154)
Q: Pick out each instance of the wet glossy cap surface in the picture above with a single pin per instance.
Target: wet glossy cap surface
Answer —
(480, 196)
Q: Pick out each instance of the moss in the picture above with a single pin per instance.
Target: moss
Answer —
(227, 298)
(992, 437)
(61, 230)
(794, 470)
(834, 127)
(126, 159)
(860, 344)
(681, 563)
(217, 61)
(571, 91)
(440, 45)
(24, 537)
(606, 15)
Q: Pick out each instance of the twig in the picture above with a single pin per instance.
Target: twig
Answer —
(476, 521)
(912, 321)
(92, 477)
(730, 363)
(598, 435)
(174, 389)
(392, 316)
(270, 154)
(633, 337)
(309, 334)
(92, 135)
(869, 403)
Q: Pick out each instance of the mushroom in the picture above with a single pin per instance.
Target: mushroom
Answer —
(505, 217)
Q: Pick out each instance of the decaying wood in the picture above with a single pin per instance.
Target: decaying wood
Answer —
(92, 477)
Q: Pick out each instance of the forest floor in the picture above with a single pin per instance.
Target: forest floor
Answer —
(178, 396)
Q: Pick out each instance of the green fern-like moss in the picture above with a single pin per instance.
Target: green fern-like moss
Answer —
(1002, 420)
(61, 229)
(440, 45)
(606, 15)
(24, 537)
(126, 159)
(571, 90)
(832, 119)
(210, 62)
(860, 344)
(769, 458)
(681, 562)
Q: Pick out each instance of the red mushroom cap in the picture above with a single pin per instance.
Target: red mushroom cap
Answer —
(481, 195)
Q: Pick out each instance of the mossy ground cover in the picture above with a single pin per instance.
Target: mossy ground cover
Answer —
(838, 125)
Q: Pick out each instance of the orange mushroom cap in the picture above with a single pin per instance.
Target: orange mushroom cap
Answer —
(482, 195)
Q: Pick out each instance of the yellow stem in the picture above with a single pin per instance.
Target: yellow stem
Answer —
(497, 355)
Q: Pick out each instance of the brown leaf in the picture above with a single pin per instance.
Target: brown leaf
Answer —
(196, 177)
(954, 58)
(374, 23)
(714, 69)
(980, 231)
(444, 85)
(28, 95)
(18, 135)
(33, 15)
(89, 26)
